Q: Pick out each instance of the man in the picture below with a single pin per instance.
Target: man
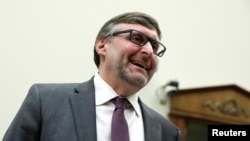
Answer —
(126, 54)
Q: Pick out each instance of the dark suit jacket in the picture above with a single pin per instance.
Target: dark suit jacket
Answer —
(66, 112)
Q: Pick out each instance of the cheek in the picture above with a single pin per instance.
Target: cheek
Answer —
(154, 68)
(155, 63)
(118, 47)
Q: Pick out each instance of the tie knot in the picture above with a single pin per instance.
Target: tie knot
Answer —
(120, 103)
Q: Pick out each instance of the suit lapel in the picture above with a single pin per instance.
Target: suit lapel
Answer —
(83, 107)
(152, 128)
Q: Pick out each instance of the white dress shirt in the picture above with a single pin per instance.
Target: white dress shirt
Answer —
(104, 111)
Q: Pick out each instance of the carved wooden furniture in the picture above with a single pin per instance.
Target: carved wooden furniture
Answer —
(227, 104)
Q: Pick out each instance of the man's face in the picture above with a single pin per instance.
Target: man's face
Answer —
(126, 61)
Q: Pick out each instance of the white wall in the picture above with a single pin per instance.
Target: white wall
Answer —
(208, 43)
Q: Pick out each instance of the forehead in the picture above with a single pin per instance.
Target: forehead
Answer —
(149, 32)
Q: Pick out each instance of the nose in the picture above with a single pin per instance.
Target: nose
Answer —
(147, 49)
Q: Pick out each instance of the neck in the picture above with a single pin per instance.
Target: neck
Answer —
(121, 87)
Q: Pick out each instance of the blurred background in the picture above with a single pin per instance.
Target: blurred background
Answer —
(51, 41)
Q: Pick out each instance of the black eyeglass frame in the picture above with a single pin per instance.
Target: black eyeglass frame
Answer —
(159, 54)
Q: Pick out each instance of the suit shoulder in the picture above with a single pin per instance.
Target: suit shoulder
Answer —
(53, 88)
(55, 85)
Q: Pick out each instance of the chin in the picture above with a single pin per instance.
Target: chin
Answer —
(139, 80)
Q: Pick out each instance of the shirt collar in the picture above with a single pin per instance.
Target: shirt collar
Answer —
(104, 93)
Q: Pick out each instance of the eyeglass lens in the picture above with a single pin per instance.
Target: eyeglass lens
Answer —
(141, 39)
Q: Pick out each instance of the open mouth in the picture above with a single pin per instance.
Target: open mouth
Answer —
(138, 64)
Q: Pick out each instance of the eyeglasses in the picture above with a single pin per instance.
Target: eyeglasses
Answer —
(141, 39)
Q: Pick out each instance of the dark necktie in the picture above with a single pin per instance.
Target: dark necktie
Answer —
(119, 128)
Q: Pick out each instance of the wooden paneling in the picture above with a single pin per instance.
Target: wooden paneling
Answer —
(228, 104)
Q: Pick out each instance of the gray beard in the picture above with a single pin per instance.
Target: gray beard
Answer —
(130, 77)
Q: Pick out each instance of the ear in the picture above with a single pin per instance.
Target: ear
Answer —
(100, 46)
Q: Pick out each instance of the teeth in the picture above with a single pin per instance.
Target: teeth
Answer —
(139, 64)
